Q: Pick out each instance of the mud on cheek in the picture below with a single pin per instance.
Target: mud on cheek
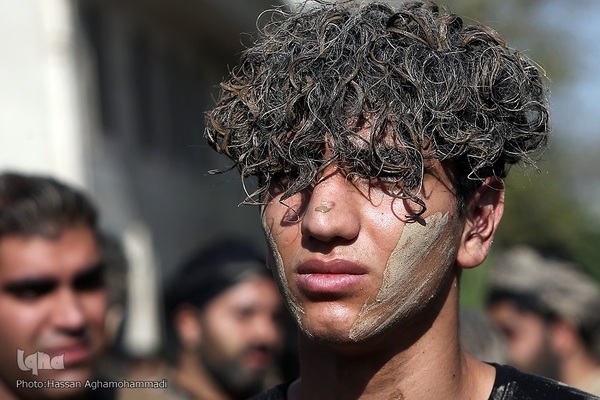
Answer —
(412, 276)
(279, 273)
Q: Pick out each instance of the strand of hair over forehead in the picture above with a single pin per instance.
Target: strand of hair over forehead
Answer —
(422, 85)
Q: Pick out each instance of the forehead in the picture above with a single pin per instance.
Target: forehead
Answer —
(37, 256)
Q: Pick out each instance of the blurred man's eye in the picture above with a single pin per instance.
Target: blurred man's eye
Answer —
(30, 290)
(90, 280)
(244, 314)
(277, 318)
(508, 332)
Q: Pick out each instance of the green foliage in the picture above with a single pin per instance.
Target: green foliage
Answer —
(524, 25)
(473, 286)
(542, 209)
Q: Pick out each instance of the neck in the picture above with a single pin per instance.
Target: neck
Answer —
(578, 368)
(192, 378)
(422, 360)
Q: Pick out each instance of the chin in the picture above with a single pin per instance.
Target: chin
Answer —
(329, 332)
(337, 322)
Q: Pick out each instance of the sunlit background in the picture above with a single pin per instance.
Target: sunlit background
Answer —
(109, 95)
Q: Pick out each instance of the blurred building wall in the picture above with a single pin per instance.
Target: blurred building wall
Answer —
(40, 113)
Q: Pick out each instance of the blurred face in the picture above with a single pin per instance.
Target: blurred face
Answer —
(351, 263)
(52, 300)
(527, 337)
(241, 333)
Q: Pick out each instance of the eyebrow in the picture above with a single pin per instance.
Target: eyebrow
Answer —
(39, 286)
(91, 277)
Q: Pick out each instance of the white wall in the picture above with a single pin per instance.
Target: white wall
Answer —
(40, 114)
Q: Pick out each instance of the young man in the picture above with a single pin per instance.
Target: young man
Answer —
(547, 308)
(224, 317)
(380, 137)
(52, 295)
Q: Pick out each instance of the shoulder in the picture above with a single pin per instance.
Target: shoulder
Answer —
(278, 392)
(512, 384)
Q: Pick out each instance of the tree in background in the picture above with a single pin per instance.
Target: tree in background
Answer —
(543, 208)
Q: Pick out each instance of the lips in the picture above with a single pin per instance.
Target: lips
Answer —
(258, 358)
(73, 355)
(335, 277)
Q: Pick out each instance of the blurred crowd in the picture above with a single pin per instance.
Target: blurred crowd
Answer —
(541, 316)
(63, 306)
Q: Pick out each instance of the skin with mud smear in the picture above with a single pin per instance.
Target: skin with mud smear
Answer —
(412, 277)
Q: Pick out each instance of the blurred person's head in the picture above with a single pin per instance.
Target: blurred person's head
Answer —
(52, 295)
(547, 308)
(379, 136)
(224, 313)
(390, 116)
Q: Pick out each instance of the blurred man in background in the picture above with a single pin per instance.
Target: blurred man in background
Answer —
(480, 338)
(225, 318)
(52, 294)
(548, 309)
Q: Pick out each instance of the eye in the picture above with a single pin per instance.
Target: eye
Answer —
(244, 314)
(388, 179)
(389, 184)
(92, 279)
(30, 290)
(281, 182)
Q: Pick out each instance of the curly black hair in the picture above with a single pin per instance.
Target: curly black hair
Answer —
(422, 84)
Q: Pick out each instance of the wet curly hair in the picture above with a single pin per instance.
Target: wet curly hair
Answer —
(380, 92)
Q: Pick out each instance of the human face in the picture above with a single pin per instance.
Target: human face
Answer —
(241, 334)
(349, 261)
(527, 337)
(52, 300)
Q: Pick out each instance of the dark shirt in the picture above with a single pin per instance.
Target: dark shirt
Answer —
(510, 384)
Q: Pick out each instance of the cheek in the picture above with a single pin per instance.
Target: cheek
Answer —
(414, 273)
(530, 337)
(225, 335)
(277, 263)
(19, 330)
(21, 325)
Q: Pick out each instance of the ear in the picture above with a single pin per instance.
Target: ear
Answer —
(483, 213)
(187, 326)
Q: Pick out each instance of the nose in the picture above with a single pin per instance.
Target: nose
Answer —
(332, 212)
(68, 314)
